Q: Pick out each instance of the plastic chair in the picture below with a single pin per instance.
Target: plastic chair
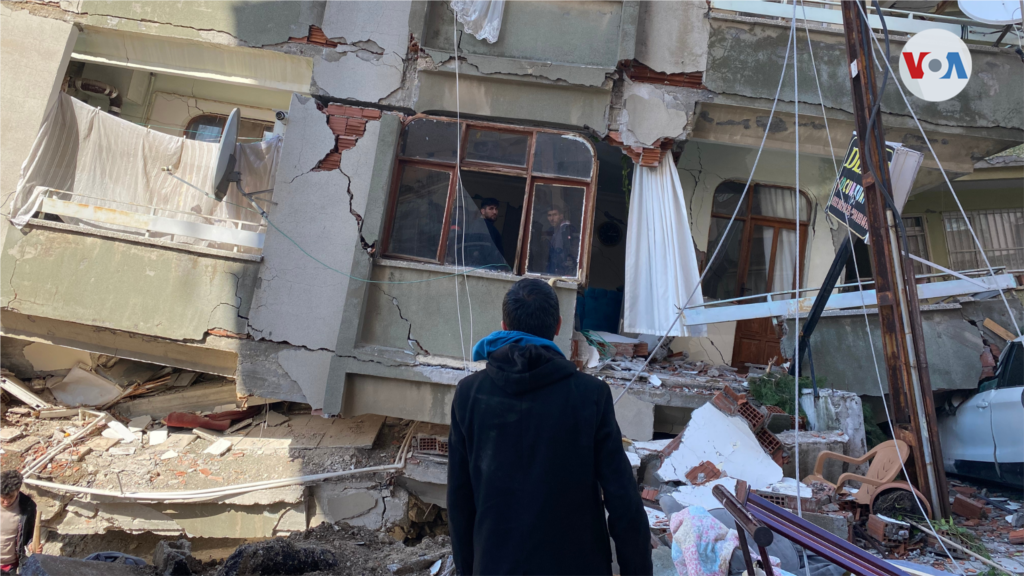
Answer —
(886, 462)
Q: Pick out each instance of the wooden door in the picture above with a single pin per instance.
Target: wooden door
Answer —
(759, 257)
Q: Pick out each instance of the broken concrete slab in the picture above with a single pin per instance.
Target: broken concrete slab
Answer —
(178, 441)
(139, 423)
(10, 434)
(726, 442)
(117, 430)
(272, 418)
(102, 443)
(355, 432)
(811, 445)
(635, 418)
(219, 447)
(157, 437)
(84, 388)
(20, 446)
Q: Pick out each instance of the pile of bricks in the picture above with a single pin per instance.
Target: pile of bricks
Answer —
(648, 157)
(703, 473)
(348, 123)
(426, 444)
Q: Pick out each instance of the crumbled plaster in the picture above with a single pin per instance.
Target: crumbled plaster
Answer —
(651, 112)
(297, 299)
(373, 42)
(579, 75)
(309, 370)
(672, 37)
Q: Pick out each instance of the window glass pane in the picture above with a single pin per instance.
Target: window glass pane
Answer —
(760, 259)
(419, 212)
(497, 147)
(430, 139)
(208, 128)
(493, 208)
(555, 230)
(779, 203)
(562, 155)
(727, 195)
(720, 281)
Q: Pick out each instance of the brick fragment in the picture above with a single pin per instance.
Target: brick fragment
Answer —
(968, 508)
(1017, 537)
(967, 491)
(703, 473)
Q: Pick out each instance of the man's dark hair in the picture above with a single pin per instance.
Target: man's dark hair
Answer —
(10, 482)
(531, 306)
(489, 202)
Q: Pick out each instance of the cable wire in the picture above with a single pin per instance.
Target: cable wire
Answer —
(458, 196)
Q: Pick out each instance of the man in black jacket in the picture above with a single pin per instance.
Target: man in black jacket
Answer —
(535, 457)
(17, 521)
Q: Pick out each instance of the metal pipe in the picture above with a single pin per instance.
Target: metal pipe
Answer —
(762, 534)
(104, 89)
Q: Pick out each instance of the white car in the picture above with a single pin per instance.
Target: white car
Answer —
(983, 435)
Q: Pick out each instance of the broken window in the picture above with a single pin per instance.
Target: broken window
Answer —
(208, 127)
(521, 203)
(1001, 233)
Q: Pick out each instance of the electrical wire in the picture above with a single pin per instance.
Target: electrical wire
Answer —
(458, 197)
(728, 226)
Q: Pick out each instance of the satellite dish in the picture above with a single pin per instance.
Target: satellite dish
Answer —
(991, 11)
(224, 171)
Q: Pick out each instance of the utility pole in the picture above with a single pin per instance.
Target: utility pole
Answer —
(899, 314)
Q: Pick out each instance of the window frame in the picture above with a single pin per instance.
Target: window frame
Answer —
(746, 243)
(927, 241)
(532, 179)
(984, 235)
(188, 129)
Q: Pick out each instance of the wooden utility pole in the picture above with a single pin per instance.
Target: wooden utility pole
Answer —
(899, 314)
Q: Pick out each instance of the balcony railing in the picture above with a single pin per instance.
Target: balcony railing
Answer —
(827, 12)
(176, 226)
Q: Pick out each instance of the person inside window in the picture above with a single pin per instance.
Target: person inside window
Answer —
(489, 211)
(563, 244)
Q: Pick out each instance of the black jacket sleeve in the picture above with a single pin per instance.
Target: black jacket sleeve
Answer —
(28, 521)
(627, 521)
(461, 502)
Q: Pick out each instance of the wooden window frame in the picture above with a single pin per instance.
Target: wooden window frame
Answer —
(746, 240)
(525, 223)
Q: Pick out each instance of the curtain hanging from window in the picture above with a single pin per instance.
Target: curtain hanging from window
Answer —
(661, 262)
(481, 18)
(780, 203)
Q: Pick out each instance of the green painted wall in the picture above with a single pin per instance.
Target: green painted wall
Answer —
(111, 283)
(974, 195)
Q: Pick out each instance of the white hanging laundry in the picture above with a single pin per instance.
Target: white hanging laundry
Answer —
(661, 262)
(481, 18)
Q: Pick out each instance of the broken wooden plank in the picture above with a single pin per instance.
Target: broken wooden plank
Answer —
(790, 308)
(17, 388)
(999, 330)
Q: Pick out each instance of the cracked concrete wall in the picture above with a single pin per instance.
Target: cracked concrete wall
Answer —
(124, 286)
(953, 346)
(299, 300)
(582, 33)
(650, 112)
(746, 59)
(672, 37)
(424, 317)
(251, 23)
(368, 64)
(702, 167)
(282, 372)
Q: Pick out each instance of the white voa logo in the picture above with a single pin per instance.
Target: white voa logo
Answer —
(935, 65)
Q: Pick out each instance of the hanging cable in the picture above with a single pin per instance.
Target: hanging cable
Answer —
(458, 195)
(728, 226)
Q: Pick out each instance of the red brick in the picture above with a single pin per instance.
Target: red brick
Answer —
(330, 162)
(725, 404)
(710, 471)
(754, 417)
(650, 494)
(965, 490)
(963, 506)
(1017, 537)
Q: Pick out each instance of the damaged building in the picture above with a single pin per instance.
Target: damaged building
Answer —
(376, 137)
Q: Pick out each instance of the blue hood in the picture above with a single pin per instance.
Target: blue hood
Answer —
(503, 338)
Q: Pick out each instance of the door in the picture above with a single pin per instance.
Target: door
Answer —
(759, 257)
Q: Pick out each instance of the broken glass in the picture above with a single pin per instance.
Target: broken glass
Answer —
(555, 230)
(419, 214)
(562, 155)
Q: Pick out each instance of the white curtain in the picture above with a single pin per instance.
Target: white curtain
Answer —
(780, 203)
(661, 263)
(119, 164)
(481, 18)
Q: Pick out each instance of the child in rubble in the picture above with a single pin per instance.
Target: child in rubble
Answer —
(17, 521)
(535, 457)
